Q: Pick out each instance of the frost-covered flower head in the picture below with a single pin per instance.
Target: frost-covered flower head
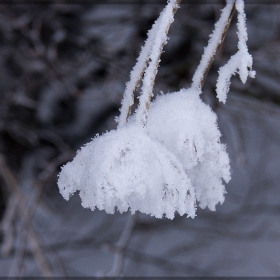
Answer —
(125, 168)
(164, 159)
(187, 127)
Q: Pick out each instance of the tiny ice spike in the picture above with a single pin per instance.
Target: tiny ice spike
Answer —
(188, 128)
(125, 168)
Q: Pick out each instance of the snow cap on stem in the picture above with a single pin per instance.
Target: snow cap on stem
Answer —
(149, 54)
(188, 128)
(215, 41)
(166, 19)
(125, 169)
(241, 62)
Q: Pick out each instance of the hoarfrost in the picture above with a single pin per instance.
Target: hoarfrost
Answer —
(125, 168)
(148, 81)
(150, 51)
(209, 51)
(162, 162)
(188, 128)
(241, 62)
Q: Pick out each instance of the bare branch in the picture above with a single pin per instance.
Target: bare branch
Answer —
(121, 246)
(11, 183)
(6, 225)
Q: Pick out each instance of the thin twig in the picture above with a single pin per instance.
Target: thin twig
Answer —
(151, 71)
(121, 246)
(6, 226)
(136, 76)
(11, 183)
(217, 38)
(138, 71)
(27, 216)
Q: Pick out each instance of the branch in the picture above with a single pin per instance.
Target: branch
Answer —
(121, 246)
(12, 183)
(216, 39)
(6, 226)
(139, 69)
(164, 21)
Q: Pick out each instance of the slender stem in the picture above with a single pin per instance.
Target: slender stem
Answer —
(33, 239)
(138, 71)
(136, 76)
(216, 39)
(164, 22)
(7, 225)
(121, 246)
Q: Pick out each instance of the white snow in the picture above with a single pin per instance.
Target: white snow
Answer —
(188, 128)
(125, 168)
(168, 155)
(241, 62)
(160, 40)
(209, 51)
(149, 53)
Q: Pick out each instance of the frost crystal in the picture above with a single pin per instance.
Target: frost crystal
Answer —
(210, 50)
(125, 168)
(188, 128)
(157, 38)
(168, 156)
(148, 81)
(241, 61)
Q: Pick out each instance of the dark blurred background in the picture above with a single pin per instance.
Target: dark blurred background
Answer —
(63, 69)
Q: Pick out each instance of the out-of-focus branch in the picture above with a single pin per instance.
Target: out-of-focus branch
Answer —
(6, 226)
(122, 245)
(12, 184)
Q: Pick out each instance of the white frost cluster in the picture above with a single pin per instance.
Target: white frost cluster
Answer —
(241, 62)
(214, 40)
(188, 128)
(167, 157)
(125, 168)
(157, 38)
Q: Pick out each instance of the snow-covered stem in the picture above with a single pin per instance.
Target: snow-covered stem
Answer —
(164, 23)
(139, 69)
(241, 62)
(216, 39)
(136, 76)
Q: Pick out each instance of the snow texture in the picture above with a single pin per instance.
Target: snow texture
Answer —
(148, 81)
(150, 52)
(136, 75)
(161, 163)
(125, 168)
(188, 128)
(240, 62)
(214, 41)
